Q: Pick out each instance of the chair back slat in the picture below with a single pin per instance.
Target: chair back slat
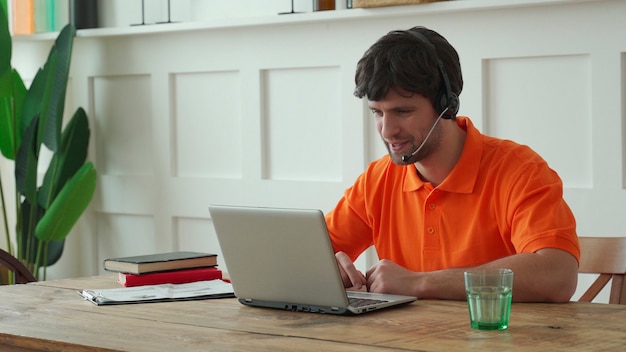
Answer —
(605, 256)
(595, 288)
(602, 255)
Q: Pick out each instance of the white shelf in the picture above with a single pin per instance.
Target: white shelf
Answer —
(453, 6)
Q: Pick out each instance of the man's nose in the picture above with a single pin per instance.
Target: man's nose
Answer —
(388, 127)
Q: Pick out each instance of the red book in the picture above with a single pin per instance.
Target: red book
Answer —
(170, 277)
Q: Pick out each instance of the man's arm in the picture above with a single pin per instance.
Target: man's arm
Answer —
(548, 275)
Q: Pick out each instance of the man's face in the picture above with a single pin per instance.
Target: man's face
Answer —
(403, 120)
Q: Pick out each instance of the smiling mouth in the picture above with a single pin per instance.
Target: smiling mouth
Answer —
(398, 147)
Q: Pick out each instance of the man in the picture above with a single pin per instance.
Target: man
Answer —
(447, 197)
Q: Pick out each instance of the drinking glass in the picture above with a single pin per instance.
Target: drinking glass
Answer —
(489, 294)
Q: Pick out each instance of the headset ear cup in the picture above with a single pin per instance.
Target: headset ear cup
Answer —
(450, 101)
(441, 102)
(453, 106)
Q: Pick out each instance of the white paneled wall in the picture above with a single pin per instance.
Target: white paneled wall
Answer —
(260, 111)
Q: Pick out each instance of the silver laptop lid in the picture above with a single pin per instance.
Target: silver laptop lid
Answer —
(279, 255)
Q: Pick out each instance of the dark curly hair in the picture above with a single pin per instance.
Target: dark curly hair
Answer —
(401, 59)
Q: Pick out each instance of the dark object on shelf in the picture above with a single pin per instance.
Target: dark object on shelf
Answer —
(143, 15)
(287, 13)
(84, 13)
(323, 5)
(169, 13)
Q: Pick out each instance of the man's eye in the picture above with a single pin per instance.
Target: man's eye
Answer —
(376, 113)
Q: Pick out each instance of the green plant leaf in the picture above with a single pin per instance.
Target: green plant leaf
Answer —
(59, 67)
(46, 95)
(54, 252)
(5, 42)
(7, 130)
(41, 93)
(68, 206)
(26, 163)
(33, 100)
(12, 93)
(27, 249)
(68, 159)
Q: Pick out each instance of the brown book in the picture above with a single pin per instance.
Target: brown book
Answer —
(380, 3)
(160, 262)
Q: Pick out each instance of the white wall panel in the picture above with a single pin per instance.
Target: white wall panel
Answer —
(544, 102)
(123, 119)
(301, 123)
(124, 235)
(207, 125)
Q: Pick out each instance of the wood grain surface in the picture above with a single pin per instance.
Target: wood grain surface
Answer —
(51, 316)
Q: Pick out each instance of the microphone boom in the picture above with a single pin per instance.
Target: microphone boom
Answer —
(406, 158)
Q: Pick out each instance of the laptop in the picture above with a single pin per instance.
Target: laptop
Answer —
(283, 258)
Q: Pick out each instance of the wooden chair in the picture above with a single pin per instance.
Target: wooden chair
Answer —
(605, 256)
(22, 274)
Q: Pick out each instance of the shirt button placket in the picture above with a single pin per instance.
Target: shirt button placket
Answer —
(431, 241)
(431, 217)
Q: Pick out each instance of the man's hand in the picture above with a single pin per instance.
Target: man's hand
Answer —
(349, 275)
(389, 277)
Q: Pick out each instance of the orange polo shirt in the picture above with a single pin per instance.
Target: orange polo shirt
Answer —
(500, 199)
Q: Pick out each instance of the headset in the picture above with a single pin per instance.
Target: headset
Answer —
(446, 102)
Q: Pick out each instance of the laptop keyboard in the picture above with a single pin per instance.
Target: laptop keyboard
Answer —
(362, 302)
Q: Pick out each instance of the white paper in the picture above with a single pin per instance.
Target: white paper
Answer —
(164, 292)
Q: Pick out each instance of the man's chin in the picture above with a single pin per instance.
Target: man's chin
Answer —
(398, 159)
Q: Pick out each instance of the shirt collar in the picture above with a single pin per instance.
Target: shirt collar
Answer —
(463, 177)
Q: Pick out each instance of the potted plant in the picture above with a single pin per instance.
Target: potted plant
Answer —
(31, 120)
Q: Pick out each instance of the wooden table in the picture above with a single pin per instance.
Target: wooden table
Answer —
(51, 316)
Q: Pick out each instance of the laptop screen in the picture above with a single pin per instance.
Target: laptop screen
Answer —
(280, 255)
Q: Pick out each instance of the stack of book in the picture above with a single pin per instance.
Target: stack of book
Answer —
(164, 268)
(36, 16)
